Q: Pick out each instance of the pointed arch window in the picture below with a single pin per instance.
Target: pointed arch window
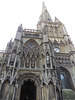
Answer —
(31, 53)
(55, 44)
(48, 20)
(65, 77)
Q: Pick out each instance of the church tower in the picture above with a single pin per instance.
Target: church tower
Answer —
(38, 64)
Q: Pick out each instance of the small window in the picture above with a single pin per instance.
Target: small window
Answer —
(48, 20)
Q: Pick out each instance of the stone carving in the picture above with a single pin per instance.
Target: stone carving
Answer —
(13, 57)
(48, 59)
(62, 61)
(31, 54)
(33, 62)
(27, 62)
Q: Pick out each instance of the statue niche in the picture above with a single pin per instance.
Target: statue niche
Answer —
(47, 59)
(27, 64)
(33, 61)
(12, 58)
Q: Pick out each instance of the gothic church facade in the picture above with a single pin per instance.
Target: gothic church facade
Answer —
(38, 64)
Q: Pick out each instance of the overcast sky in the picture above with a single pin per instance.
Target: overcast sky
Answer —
(27, 12)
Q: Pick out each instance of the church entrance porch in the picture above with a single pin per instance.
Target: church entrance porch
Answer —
(28, 91)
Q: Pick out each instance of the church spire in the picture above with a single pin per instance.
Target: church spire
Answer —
(44, 18)
(44, 8)
(45, 14)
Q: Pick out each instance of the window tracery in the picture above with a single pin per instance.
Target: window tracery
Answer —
(55, 44)
(31, 54)
(62, 43)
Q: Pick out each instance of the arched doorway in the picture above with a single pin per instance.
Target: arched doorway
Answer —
(28, 91)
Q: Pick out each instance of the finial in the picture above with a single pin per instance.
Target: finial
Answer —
(43, 3)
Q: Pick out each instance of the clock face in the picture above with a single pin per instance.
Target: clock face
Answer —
(57, 50)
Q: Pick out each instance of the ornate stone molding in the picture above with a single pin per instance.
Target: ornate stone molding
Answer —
(29, 76)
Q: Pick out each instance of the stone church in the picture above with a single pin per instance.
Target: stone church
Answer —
(39, 64)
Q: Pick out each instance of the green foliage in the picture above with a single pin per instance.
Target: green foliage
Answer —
(68, 94)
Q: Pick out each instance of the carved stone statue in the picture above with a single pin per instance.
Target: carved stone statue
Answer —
(47, 59)
(33, 62)
(27, 62)
(13, 57)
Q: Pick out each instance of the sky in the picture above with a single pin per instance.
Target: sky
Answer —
(27, 12)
